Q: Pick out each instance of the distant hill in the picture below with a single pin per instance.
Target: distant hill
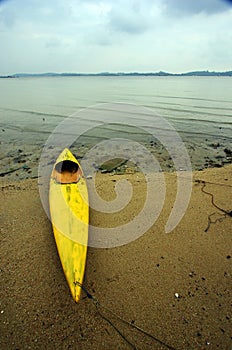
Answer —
(126, 74)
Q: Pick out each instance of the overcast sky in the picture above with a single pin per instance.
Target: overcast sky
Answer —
(115, 35)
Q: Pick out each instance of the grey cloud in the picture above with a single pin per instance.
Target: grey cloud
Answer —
(103, 40)
(8, 14)
(130, 20)
(178, 7)
(127, 24)
(2, 1)
(52, 43)
(33, 11)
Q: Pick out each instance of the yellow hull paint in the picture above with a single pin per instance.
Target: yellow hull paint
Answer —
(69, 209)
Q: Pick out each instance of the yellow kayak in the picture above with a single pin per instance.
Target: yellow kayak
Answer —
(69, 209)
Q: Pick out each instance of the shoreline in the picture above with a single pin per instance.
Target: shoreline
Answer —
(175, 286)
(21, 162)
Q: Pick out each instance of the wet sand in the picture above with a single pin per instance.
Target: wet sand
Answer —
(20, 161)
(176, 286)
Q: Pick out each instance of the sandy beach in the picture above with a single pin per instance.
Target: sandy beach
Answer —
(175, 286)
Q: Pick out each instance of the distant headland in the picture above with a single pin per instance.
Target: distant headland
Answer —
(126, 74)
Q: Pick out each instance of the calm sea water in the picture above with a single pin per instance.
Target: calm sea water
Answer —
(199, 108)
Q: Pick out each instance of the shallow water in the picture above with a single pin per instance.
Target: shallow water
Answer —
(198, 108)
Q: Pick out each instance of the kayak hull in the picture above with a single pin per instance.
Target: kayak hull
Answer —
(69, 210)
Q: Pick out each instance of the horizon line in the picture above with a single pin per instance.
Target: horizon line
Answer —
(106, 73)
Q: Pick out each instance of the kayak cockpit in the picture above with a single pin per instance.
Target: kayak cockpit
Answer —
(67, 172)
